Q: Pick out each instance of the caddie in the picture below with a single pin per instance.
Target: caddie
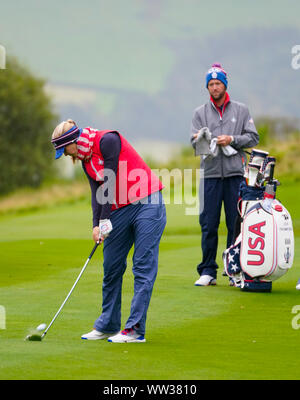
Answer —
(230, 126)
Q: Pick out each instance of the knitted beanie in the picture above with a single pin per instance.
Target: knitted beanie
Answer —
(217, 72)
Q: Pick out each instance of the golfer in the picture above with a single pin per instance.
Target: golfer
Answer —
(128, 209)
(230, 124)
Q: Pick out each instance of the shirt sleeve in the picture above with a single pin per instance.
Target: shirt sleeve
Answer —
(249, 136)
(110, 146)
(196, 125)
(96, 207)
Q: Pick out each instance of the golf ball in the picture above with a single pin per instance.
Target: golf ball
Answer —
(41, 327)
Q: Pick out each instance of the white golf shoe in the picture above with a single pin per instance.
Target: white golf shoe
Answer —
(95, 335)
(127, 336)
(298, 285)
(206, 280)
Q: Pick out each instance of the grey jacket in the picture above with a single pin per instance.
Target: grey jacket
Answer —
(237, 122)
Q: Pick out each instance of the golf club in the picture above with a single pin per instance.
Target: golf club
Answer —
(36, 336)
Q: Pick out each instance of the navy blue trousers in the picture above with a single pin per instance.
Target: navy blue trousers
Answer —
(216, 192)
(141, 225)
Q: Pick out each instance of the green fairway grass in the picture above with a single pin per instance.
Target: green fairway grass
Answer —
(192, 332)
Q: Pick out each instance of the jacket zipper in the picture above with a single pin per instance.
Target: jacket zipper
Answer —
(221, 123)
(222, 172)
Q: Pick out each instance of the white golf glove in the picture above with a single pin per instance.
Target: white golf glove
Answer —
(228, 150)
(105, 227)
(214, 148)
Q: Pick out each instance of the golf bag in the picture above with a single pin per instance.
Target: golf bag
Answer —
(263, 250)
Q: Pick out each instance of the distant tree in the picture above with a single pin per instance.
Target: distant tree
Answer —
(26, 123)
(276, 128)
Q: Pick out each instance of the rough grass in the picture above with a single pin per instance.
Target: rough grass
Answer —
(52, 194)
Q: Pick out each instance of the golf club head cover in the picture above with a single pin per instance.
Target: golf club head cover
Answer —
(253, 174)
(256, 157)
(105, 227)
(267, 166)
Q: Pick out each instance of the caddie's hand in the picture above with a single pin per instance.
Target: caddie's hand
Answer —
(196, 136)
(224, 140)
(96, 234)
(105, 227)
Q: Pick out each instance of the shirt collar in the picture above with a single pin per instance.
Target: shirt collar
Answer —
(222, 108)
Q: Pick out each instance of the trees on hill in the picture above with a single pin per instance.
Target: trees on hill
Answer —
(26, 123)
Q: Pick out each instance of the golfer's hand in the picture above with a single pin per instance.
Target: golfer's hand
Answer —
(96, 234)
(105, 227)
(224, 140)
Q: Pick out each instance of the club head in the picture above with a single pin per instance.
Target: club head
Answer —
(35, 337)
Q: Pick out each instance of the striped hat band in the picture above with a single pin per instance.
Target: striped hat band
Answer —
(68, 137)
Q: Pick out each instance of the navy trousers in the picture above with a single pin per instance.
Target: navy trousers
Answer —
(216, 192)
(141, 225)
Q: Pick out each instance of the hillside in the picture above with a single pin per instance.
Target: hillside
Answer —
(139, 66)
